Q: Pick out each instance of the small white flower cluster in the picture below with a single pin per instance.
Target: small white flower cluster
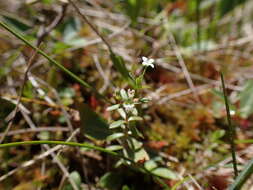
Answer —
(146, 62)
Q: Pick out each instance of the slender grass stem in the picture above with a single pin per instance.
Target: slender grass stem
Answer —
(75, 144)
(231, 127)
(83, 145)
(51, 60)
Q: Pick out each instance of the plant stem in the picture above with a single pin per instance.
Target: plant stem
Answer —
(231, 127)
(75, 144)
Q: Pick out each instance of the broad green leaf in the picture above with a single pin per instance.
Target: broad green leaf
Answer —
(164, 173)
(246, 99)
(111, 181)
(116, 124)
(92, 124)
(113, 107)
(115, 136)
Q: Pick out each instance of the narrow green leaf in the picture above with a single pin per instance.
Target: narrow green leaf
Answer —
(113, 107)
(116, 124)
(231, 127)
(119, 64)
(122, 113)
(114, 147)
(164, 173)
(123, 94)
(135, 118)
(17, 23)
(243, 176)
(115, 136)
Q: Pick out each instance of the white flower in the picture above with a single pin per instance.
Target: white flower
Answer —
(148, 62)
(130, 93)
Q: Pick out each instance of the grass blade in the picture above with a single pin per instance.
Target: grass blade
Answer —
(51, 60)
(84, 145)
(231, 127)
(242, 178)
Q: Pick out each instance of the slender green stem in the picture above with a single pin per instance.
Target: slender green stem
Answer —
(75, 144)
(231, 127)
(51, 60)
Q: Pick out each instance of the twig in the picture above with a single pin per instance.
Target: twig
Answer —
(39, 129)
(183, 67)
(196, 76)
(183, 92)
(195, 182)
